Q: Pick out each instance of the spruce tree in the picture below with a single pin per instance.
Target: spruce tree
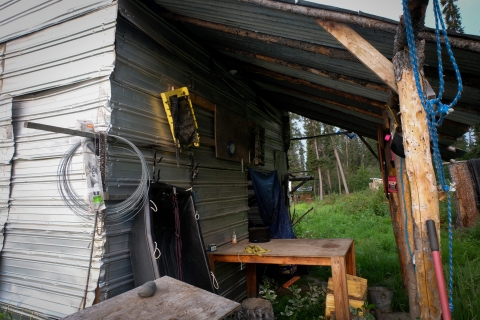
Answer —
(452, 15)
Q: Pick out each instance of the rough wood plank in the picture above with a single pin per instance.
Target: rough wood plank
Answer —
(357, 287)
(251, 280)
(202, 102)
(230, 126)
(423, 186)
(363, 50)
(172, 300)
(330, 304)
(291, 247)
(467, 212)
(405, 207)
(306, 261)
(350, 260)
(340, 288)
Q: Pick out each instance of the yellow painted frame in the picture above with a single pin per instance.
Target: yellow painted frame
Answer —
(181, 92)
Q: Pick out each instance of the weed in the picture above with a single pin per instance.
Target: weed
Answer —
(267, 290)
(303, 307)
(364, 217)
(5, 315)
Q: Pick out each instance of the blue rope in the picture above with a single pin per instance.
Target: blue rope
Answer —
(407, 237)
(434, 108)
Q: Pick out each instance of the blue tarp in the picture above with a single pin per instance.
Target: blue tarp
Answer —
(271, 204)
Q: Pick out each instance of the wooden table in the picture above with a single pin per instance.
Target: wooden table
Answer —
(172, 300)
(337, 253)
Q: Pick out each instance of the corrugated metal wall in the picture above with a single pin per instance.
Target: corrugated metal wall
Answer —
(6, 154)
(21, 17)
(151, 56)
(46, 253)
(46, 249)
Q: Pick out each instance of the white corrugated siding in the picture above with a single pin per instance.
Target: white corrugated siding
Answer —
(6, 154)
(46, 253)
(70, 52)
(21, 17)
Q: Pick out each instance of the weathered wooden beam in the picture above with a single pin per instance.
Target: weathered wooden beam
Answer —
(281, 76)
(325, 114)
(322, 73)
(468, 80)
(368, 147)
(71, 132)
(467, 211)
(363, 50)
(421, 176)
(334, 103)
(320, 135)
(297, 44)
(370, 23)
(406, 228)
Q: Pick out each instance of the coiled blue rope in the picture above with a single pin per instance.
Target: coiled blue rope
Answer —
(434, 108)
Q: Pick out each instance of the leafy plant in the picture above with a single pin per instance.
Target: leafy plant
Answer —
(298, 303)
(360, 315)
(266, 290)
(5, 315)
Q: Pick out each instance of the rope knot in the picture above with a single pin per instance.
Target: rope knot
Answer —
(444, 109)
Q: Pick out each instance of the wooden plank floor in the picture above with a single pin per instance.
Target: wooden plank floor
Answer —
(172, 300)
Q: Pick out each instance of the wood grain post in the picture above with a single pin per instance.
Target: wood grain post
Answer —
(251, 280)
(421, 177)
(339, 278)
(467, 211)
(350, 261)
(405, 207)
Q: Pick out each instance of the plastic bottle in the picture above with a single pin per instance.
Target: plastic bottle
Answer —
(234, 237)
(97, 198)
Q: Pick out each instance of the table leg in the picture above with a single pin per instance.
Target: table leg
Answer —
(211, 262)
(251, 280)
(350, 260)
(340, 290)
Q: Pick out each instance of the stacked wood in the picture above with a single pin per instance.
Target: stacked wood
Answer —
(357, 293)
(467, 211)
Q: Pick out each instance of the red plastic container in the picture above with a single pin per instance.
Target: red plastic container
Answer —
(392, 184)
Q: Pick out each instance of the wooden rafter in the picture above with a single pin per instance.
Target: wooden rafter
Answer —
(281, 76)
(318, 72)
(363, 50)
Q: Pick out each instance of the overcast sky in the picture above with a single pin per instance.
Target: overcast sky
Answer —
(469, 10)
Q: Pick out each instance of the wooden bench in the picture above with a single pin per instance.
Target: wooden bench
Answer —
(337, 253)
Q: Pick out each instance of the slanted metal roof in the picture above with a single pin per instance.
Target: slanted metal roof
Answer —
(301, 68)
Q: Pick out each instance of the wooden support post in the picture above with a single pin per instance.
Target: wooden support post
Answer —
(339, 278)
(421, 177)
(405, 208)
(395, 212)
(251, 280)
(467, 211)
(350, 261)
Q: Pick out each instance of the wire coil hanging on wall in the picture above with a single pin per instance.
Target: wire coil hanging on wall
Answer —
(114, 213)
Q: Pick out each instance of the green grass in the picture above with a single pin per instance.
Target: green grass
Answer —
(364, 216)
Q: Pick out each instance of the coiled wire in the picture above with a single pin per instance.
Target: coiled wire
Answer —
(114, 213)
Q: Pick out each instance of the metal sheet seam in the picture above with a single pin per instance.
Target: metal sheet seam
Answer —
(18, 18)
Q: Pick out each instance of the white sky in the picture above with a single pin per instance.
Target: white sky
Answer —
(392, 9)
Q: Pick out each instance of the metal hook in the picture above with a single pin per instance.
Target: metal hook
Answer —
(155, 252)
(154, 205)
(214, 281)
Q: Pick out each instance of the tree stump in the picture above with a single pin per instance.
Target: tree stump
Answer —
(256, 308)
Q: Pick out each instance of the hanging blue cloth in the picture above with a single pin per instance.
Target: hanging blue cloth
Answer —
(271, 205)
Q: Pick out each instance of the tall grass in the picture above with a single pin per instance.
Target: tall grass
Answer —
(364, 216)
